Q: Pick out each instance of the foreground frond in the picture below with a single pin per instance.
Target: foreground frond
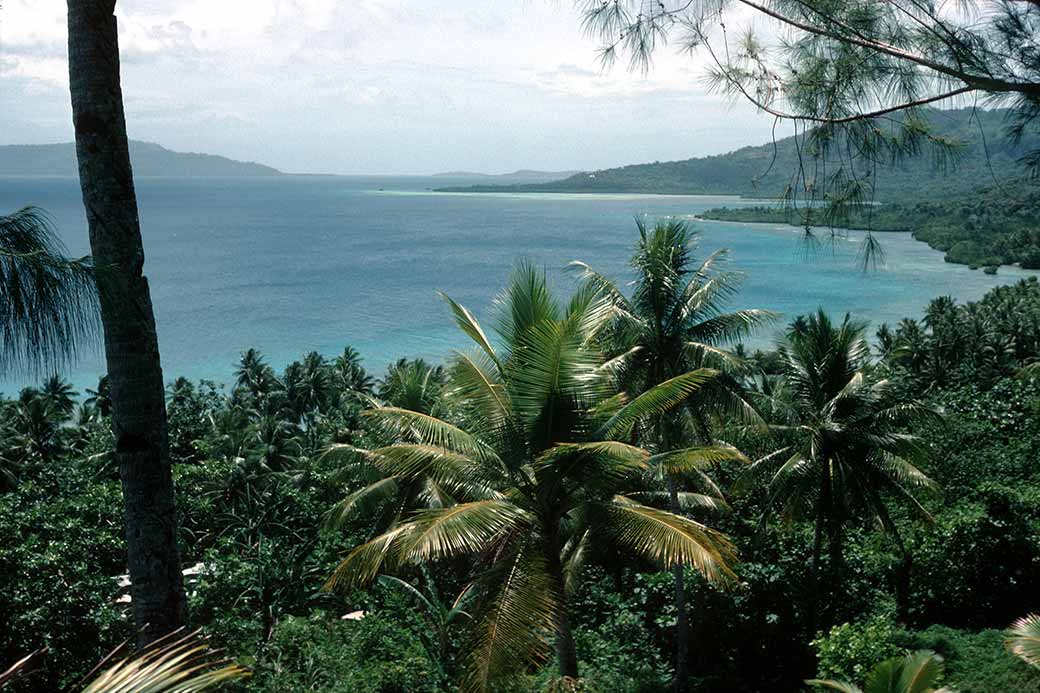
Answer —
(1023, 639)
(185, 665)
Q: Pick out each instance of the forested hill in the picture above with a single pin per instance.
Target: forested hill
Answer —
(747, 171)
(148, 158)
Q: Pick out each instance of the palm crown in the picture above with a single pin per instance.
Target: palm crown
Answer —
(849, 447)
(537, 474)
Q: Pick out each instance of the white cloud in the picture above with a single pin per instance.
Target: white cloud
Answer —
(371, 85)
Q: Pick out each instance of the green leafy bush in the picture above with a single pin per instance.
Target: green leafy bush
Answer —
(975, 662)
(376, 654)
(849, 651)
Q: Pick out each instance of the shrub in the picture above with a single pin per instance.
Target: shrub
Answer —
(376, 654)
(848, 652)
(975, 662)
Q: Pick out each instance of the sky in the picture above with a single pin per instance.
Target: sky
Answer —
(373, 86)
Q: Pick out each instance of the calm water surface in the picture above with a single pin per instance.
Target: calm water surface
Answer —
(292, 264)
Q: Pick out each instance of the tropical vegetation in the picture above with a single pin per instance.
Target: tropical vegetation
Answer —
(521, 516)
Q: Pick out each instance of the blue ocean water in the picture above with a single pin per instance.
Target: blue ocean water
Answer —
(294, 264)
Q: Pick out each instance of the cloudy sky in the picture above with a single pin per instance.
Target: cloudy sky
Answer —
(372, 86)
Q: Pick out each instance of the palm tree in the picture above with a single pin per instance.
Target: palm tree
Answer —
(48, 303)
(60, 395)
(415, 386)
(917, 672)
(100, 398)
(349, 376)
(1023, 639)
(141, 448)
(850, 450)
(412, 384)
(538, 475)
(36, 425)
(674, 323)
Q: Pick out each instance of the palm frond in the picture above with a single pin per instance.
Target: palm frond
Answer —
(431, 430)
(183, 665)
(465, 528)
(657, 400)
(594, 462)
(468, 324)
(477, 382)
(362, 501)
(514, 630)
(841, 686)
(678, 462)
(1023, 639)
(670, 540)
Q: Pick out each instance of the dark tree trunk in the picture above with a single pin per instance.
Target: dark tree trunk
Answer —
(681, 675)
(823, 510)
(131, 347)
(566, 652)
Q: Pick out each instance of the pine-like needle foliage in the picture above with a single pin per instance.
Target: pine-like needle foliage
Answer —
(48, 302)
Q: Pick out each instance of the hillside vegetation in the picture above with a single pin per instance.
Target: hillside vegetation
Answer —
(997, 225)
(752, 171)
(929, 541)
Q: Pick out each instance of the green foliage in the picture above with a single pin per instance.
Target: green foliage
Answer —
(976, 662)
(976, 568)
(850, 650)
(989, 227)
(319, 652)
(61, 555)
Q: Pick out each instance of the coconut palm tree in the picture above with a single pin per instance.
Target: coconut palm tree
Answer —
(60, 395)
(850, 451)
(48, 303)
(416, 386)
(673, 323)
(100, 398)
(349, 376)
(412, 384)
(538, 476)
(134, 367)
(917, 672)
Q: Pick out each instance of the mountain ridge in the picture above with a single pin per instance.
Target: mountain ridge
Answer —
(765, 170)
(148, 159)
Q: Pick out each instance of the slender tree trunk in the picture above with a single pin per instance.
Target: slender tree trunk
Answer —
(131, 346)
(681, 675)
(823, 511)
(814, 597)
(566, 652)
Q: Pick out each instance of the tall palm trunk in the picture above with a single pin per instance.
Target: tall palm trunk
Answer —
(566, 651)
(823, 509)
(131, 345)
(681, 675)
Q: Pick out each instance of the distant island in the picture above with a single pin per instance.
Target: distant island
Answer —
(765, 170)
(148, 159)
(523, 176)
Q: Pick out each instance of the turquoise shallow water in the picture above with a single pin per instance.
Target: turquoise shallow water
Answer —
(299, 263)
